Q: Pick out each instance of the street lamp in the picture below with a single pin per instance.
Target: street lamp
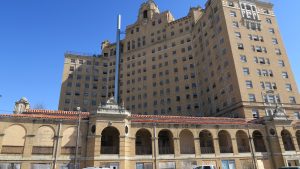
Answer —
(77, 139)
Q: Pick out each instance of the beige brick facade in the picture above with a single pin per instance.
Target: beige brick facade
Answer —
(218, 61)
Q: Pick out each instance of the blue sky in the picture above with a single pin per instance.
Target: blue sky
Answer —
(35, 34)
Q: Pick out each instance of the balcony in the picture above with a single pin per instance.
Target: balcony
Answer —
(207, 150)
(143, 150)
(42, 150)
(12, 150)
(226, 149)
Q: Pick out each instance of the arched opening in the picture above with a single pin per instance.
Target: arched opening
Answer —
(242, 141)
(225, 142)
(13, 140)
(287, 141)
(298, 137)
(110, 141)
(44, 141)
(68, 145)
(165, 142)
(145, 14)
(187, 144)
(258, 141)
(143, 143)
(206, 142)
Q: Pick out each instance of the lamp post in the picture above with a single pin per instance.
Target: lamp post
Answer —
(77, 138)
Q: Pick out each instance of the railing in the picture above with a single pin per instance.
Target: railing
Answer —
(166, 150)
(227, 149)
(243, 149)
(289, 147)
(143, 150)
(260, 148)
(207, 150)
(109, 150)
(42, 150)
(188, 150)
(70, 150)
(12, 150)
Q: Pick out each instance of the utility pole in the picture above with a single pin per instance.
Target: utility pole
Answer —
(77, 138)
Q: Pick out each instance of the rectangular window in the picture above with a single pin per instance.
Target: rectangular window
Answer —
(243, 58)
(255, 113)
(281, 63)
(240, 46)
(278, 51)
(251, 98)
(268, 20)
(233, 13)
(72, 68)
(246, 71)
(249, 84)
(285, 75)
(271, 30)
(238, 35)
(297, 115)
(288, 87)
(235, 24)
(292, 100)
(274, 41)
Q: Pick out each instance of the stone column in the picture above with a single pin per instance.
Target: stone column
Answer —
(234, 146)
(96, 142)
(155, 150)
(176, 146)
(216, 146)
(29, 142)
(124, 151)
(1, 140)
(295, 143)
(197, 147)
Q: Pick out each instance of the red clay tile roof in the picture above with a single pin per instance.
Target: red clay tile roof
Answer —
(73, 115)
(186, 120)
(48, 114)
(55, 112)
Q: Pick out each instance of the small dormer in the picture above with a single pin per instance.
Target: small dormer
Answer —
(147, 10)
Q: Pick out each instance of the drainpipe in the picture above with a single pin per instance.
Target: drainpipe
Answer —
(56, 146)
(252, 149)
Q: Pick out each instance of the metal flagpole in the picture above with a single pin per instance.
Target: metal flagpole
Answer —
(116, 92)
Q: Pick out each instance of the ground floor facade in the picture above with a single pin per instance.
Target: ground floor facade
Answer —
(114, 138)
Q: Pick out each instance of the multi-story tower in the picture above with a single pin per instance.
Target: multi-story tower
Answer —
(243, 66)
(225, 60)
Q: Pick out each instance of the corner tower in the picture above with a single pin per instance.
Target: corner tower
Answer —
(147, 10)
